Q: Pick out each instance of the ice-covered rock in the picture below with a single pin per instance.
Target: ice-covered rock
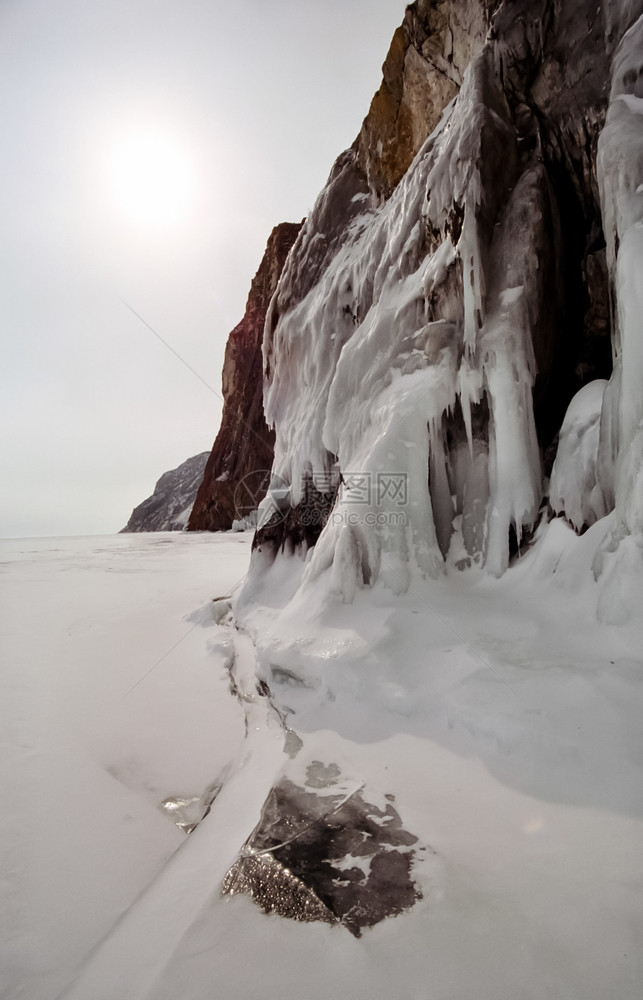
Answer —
(244, 444)
(448, 295)
(168, 509)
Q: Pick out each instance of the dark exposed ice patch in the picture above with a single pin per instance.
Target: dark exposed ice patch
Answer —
(319, 775)
(281, 675)
(329, 857)
(292, 742)
(275, 889)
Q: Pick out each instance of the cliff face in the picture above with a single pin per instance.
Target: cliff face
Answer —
(423, 71)
(462, 276)
(244, 444)
(169, 506)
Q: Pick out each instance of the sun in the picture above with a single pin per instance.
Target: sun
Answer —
(151, 178)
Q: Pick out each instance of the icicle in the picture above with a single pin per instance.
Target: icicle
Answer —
(575, 488)
(472, 280)
(469, 394)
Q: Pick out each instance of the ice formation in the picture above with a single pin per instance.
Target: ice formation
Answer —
(391, 342)
(575, 488)
(427, 335)
(620, 168)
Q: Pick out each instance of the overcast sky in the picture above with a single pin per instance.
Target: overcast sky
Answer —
(147, 149)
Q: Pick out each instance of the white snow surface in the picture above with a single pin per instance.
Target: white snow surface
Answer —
(86, 762)
(502, 715)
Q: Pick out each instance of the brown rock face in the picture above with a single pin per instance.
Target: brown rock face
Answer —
(423, 71)
(244, 443)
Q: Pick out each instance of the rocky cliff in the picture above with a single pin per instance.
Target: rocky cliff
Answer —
(168, 509)
(244, 445)
(469, 267)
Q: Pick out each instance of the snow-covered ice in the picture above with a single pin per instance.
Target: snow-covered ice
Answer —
(502, 716)
(86, 762)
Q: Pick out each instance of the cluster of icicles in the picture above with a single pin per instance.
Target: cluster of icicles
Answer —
(407, 362)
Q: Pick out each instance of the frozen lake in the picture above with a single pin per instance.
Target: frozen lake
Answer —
(86, 761)
(493, 739)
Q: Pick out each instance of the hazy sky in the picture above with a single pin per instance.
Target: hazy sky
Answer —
(147, 149)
